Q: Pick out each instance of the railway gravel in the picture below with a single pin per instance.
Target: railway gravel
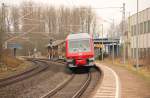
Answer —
(35, 86)
(95, 79)
(45, 81)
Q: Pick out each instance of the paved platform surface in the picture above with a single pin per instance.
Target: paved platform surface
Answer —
(132, 85)
(118, 82)
(110, 86)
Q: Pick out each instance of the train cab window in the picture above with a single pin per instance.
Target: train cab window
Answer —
(79, 46)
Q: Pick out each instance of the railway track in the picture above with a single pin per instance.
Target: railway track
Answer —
(62, 61)
(74, 87)
(16, 78)
(63, 85)
(83, 87)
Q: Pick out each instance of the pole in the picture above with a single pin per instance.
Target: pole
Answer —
(129, 30)
(102, 43)
(112, 38)
(15, 49)
(113, 54)
(1, 30)
(123, 33)
(137, 29)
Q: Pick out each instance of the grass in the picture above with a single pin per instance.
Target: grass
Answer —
(6, 71)
(11, 65)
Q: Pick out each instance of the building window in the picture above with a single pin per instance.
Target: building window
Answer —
(134, 29)
(134, 53)
(141, 28)
(145, 51)
(149, 26)
(140, 53)
(145, 27)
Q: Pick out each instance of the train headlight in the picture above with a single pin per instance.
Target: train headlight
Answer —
(69, 60)
(91, 59)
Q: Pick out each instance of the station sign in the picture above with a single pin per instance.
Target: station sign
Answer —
(98, 45)
(14, 45)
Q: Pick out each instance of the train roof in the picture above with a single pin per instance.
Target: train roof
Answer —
(78, 36)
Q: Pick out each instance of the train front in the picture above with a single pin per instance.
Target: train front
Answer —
(79, 50)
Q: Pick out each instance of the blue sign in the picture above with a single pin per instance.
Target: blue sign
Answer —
(14, 45)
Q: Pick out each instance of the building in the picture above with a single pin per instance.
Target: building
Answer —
(143, 35)
(56, 49)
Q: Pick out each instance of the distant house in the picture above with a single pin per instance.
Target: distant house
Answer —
(57, 49)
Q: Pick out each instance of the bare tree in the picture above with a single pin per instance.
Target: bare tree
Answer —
(59, 22)
(15, 18)
(2, 29)
(28, 22)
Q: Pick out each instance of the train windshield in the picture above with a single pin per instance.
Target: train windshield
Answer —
(79, 46)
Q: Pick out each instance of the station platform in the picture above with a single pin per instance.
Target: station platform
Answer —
(110, 84)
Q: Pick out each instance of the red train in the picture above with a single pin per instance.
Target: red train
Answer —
(79, 50)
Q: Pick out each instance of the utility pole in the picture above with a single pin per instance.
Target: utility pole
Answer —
(102, 44)
(129, 30)
(112, 38)
(123, 34)
(2, 20)
(137, 32)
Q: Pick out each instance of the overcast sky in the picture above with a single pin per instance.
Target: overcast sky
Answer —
(106, 14)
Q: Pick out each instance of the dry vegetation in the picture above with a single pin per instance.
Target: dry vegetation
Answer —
(143, 71)
(9, 60)
(12, 66)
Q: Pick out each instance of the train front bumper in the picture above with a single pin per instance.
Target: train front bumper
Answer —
(81, 63)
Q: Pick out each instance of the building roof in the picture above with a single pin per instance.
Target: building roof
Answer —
(56, 43)
(78, 36)
(140, 12)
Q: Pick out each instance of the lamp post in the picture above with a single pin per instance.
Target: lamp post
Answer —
(102, 43)
(123, 34)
